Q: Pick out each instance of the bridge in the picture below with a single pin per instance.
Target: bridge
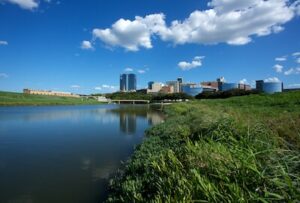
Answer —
(129, 101)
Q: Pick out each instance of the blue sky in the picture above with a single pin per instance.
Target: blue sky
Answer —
(83, 46)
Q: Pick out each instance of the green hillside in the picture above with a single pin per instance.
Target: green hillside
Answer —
(20, 99)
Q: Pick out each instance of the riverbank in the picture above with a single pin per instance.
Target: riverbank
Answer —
(241, 149)
(20, 99)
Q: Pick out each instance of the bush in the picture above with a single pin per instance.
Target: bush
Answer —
(225, 94)
(173, 96)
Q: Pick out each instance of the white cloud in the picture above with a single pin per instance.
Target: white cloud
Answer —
(25, 4)
(283, 58)
(106, 88)
(296, 54)
(298, 60)
(75, 86)
(278, 68)
(226, 21)
(86, 45)
(3, 75)
(141, 71)
(243, 81)
(3, 43)
(274, 79)
(109, 86)
(294, 85)
(196, 62)
(128, 69)
(131, 35)
(292, 71)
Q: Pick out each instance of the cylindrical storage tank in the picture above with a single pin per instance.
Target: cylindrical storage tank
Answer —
(192, 91)
(229, 86)
(272, 87)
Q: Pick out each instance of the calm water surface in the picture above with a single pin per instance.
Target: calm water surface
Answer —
(65, 154)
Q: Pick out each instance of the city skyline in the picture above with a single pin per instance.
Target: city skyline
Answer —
(83, 47)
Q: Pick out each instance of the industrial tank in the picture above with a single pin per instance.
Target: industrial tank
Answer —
(191, 90)
(229, 86)
(272, 87)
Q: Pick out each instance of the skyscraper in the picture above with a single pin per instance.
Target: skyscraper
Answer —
(127, 82)
(123, 82)
(131, 82)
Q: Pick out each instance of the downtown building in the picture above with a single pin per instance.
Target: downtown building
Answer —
(128, 82)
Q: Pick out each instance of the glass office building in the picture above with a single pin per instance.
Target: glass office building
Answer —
(123, 83)
(131, 79)
(127, 82)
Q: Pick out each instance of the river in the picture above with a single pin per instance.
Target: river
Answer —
(66, 154)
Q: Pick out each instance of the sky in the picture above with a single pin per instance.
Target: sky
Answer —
(84, 46)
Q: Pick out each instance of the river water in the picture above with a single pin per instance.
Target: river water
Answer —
(65, 154)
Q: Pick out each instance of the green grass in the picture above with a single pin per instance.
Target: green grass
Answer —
(241, 149)
(20, 99)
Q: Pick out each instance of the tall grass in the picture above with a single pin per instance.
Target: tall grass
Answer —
(212, 151)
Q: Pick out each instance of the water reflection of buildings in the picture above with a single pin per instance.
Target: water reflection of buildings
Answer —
(128, 119)
(128, 123)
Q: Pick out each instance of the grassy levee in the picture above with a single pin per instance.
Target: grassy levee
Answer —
(20, 99)
(241, 149)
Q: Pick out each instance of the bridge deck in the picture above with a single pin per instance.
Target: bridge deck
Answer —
(130, 101)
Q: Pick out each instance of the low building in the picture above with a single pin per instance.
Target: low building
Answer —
(214, 85)
(102, 99)
(191, 89)
(229, 86)
(154, 87)
(244, 87)
(175, 85)
(232, 86)
(50, 93)
(167, 89)
(269, 87)
(209, 88)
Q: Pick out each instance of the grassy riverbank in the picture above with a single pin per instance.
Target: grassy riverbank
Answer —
(241, 149)
(20, 99)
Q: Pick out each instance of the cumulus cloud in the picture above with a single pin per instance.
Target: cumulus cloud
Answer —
(243, 81)
(278, 68)
(3, 43)
(75, 86)
(128, 69)
(3, 75)
(132, 35)
(272, 79)
(25, 4)
(292, 71)
(225, 21)
(86, 45)
(196, 62)
(283, 58)
(296, 54)
(98, 88)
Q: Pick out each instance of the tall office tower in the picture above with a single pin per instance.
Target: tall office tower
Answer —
(123, 82)
(180, 81)
(131, 79)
